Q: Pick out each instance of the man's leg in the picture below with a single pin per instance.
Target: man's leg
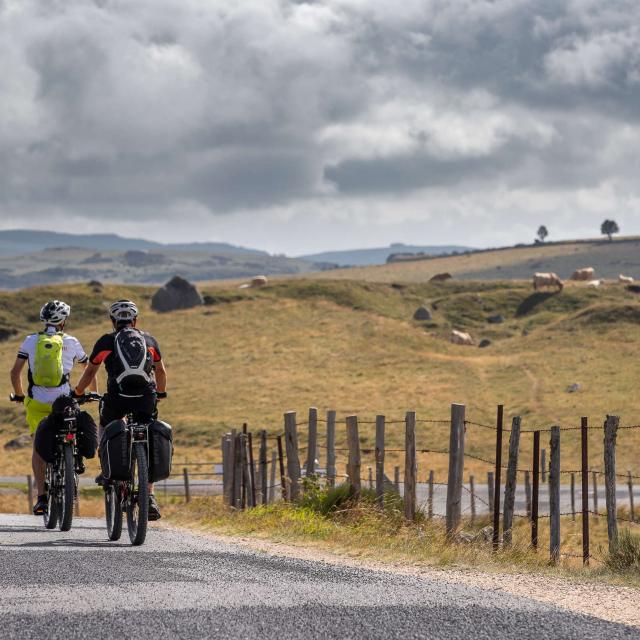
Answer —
(39, 466)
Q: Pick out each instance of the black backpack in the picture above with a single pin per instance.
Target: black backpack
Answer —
(133, 362)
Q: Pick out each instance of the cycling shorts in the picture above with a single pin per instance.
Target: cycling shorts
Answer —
(36, 412)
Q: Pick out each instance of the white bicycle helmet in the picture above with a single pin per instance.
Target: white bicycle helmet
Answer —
(123, 311)
(55, 312)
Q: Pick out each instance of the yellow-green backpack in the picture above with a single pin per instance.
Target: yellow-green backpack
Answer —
(47, 365)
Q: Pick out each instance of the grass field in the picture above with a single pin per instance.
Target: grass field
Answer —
(354, 347)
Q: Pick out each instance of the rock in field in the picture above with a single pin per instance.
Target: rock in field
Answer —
(21, 442)
(178, 293)
(422, 313)
(484, 343)
(497, 319)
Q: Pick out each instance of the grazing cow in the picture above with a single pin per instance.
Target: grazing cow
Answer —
(460, 337)
(546, 280)
(595, 283)
(625, 279)
(440, 277)
(583, 274)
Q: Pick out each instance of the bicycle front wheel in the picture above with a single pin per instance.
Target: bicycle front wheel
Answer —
(68, 492)
(113, 511)
(138, 503)
(50, 516)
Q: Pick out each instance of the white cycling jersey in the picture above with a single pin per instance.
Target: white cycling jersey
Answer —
(72, 352)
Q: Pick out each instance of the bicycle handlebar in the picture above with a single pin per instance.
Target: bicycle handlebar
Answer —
(89, 397)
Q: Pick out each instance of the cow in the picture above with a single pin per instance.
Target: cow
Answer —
(583, 274)
(460, 337)
(440, 277)
(625, 279)
(256, 282)
(595, 283)
(546, 280)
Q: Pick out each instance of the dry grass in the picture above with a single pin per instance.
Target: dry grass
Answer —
(353, 347)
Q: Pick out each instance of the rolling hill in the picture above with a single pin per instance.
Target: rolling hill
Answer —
(248, 356)
(379, 255)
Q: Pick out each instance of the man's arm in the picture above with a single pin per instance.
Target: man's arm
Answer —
(16, 376)
(93, 385)
(88, 379)
(161, 376)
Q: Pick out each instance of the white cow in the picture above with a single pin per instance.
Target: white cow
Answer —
(594, 284)
(625, 279)
(460, 337)
(546, 280)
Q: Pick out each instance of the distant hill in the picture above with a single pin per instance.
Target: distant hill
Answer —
(622, 256)
(15, 242)
(379, 255)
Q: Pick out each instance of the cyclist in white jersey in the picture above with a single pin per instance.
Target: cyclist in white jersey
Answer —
(39, 399)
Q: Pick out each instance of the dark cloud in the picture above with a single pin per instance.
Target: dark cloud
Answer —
(286, 108)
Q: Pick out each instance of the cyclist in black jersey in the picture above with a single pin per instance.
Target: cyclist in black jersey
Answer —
(118, 401)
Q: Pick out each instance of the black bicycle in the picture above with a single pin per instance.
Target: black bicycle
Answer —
(61, 475)
(130, 495)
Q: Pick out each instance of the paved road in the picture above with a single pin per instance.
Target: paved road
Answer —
(78, 585)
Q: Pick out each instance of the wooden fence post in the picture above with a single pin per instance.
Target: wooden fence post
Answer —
(353, 466)
(610, 435)
(632, 510)
(272, 478)
(187, 496)
(496, 495)
(262, 461)
(472, 497)
(543, 465)
(512, 478)
(380, 460)
(29, 494)
(527, 493)
(594, 479)
(490, 490)
(430, 496)
(370, 477)
(535, 497)
(554, 495)
(312, 448)
(584, 437)
(283, 476)
(456, 468)
(293, 462)
(224, 446)
(331, 448)
(410, 466)
(396, 478)
(244, 471)
(252, 471)
(573, 496)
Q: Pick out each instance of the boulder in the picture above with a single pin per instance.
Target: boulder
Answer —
(178, 293)
(5, 334)
(21, 442)
(422, 313)
(441, 277)
(484, 343)
(574, 387)
(497, 319)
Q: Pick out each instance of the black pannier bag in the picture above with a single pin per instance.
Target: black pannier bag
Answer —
(114, 451)
(160, 450)
(86, 435)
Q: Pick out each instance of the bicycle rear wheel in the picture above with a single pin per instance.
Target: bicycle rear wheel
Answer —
(68, 489)
(113, 511)
(50, 516)
(138, 503)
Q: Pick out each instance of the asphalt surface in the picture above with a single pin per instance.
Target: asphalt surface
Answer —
(179, 585)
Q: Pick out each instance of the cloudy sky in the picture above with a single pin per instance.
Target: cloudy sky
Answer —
(302, 126)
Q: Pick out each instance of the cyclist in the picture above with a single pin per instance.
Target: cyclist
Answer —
(50, 354)
(136, 377)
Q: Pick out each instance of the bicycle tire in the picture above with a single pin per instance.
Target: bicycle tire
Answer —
(50, 516)
(113, 512)
(68, 493)
(138, 503)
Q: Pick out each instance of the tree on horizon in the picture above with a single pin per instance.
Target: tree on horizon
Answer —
(542, 233)
(608, 228)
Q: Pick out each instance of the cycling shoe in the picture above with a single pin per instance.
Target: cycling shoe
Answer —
(154, 509)
(40, 507)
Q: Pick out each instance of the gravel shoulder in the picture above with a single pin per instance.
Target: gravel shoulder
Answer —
(612, 603)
